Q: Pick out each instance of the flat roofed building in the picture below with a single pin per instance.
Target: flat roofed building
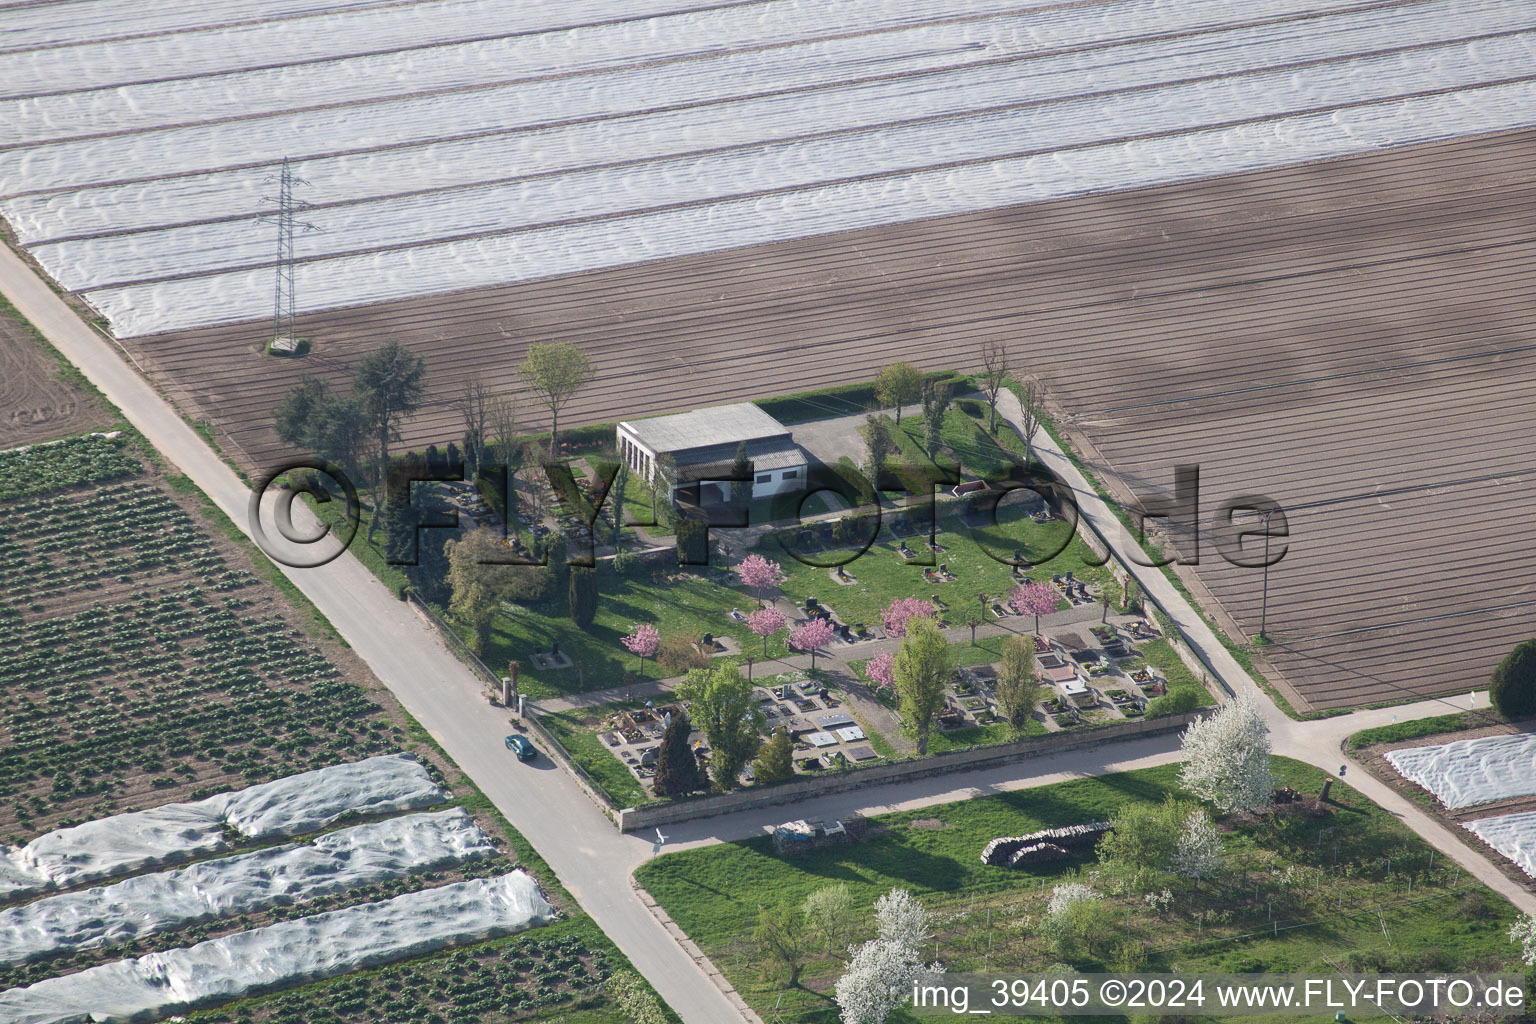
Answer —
(702, 446)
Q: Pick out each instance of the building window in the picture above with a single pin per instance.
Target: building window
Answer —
(764, 478)
(790, 474)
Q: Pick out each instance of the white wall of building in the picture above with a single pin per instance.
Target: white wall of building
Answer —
(642, 461)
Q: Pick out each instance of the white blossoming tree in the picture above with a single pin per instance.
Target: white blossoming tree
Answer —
(1523, 932)
(878, 978)
(901, 919)
(880, 972)
(1066, 894)
(1226, 758)
(1076, 920)
(1198, 851)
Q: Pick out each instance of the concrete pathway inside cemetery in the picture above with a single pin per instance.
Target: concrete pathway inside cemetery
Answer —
(590, 858)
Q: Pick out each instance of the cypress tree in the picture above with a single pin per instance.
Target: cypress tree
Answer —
(582, 595)
(677, 771)
(741, 476)
(775, 762)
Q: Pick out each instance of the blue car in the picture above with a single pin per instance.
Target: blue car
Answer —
(521, 746)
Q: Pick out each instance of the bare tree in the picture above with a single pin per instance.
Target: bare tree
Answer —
(531, 472)
(502, 427)
(1031, 406)
(473, 403)
(994, 375)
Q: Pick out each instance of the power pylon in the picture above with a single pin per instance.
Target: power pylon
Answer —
(284, 336)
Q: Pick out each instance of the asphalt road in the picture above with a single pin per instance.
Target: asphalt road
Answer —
(590, 857)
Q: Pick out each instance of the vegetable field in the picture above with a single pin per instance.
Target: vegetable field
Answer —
(144, 663)
(87, 459)
(512, 979)
(142, 666)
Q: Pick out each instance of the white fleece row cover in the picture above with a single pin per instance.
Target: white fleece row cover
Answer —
(450, 144)
(284, 954)
(1513, 835)
(284, 807)
(1470, 772)
(152, 903)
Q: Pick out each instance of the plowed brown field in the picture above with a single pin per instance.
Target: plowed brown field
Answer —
(1353, 338)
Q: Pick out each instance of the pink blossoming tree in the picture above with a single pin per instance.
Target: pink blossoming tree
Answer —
(759, 573)
(903, 610)
(643, 642)
(1032, 598)
(811, 637)
(881, 670)
(765, 622)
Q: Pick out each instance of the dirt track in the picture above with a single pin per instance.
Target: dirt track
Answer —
(1351, 336)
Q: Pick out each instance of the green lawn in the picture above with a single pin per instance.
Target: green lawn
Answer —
(692, 603)
(1421, 727)
(638, 508)
(988, 917)
(976, 556)
(577, 733)
(697, 602)
(965, 445)
(689, 603)
(940, 741)
(1161, 656)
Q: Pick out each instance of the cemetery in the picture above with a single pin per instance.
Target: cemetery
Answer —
(845, 713)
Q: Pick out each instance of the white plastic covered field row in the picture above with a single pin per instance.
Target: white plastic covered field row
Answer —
(81, 21)
(287, 953)
(798, 68)
(235, 296)
(1015, 38)
(285, 807)
(146, 904)
(550, 47)
(1468, 772)
(84, 264)
(88, 21)
(1513, 835)
(624, 136)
